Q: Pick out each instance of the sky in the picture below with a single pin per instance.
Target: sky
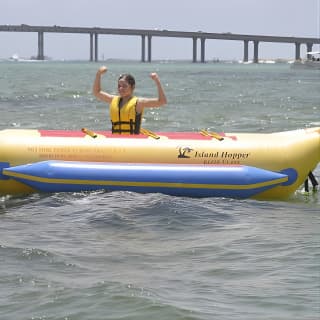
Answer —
(258, 17)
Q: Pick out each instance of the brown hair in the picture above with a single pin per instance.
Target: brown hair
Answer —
(129, 78)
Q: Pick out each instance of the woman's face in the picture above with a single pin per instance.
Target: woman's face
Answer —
(124, 88)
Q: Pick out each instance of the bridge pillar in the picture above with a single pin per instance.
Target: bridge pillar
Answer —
(194, 54)
(203, 49)
(309, 49)
(91, 46)
(245, 50)
(40, 46)
(96, 47)
(143, 48)
(298, 57)
(256, 51)
(149, 48)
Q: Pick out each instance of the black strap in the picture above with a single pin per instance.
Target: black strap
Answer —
(134, 127)
(313, 180)
(138, 123)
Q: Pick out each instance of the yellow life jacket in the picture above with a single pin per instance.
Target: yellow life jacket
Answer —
(125, 120)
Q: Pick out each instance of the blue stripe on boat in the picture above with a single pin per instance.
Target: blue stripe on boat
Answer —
(173, 179)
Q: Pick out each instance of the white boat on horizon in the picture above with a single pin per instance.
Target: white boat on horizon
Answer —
(311, 62)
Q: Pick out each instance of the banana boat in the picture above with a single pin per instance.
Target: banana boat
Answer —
(266, 165)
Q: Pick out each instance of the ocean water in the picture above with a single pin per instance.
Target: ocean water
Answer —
(121, 255)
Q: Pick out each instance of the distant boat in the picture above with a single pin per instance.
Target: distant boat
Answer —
(14, 57)
(311, 62)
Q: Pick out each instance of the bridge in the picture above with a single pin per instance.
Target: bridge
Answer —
(147, 35)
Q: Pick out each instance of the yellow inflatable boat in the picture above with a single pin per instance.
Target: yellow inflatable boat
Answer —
(293, 154)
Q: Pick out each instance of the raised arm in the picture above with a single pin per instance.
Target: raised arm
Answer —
(99, 94)
(153, 102)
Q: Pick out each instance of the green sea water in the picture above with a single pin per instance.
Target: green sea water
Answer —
(122, 255)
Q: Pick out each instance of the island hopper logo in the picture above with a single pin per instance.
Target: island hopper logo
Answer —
(185, 152)
(212, 157)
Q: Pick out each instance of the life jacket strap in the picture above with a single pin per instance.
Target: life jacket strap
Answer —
(134, 128)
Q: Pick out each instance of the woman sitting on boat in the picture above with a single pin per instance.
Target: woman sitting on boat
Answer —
(126, 110)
